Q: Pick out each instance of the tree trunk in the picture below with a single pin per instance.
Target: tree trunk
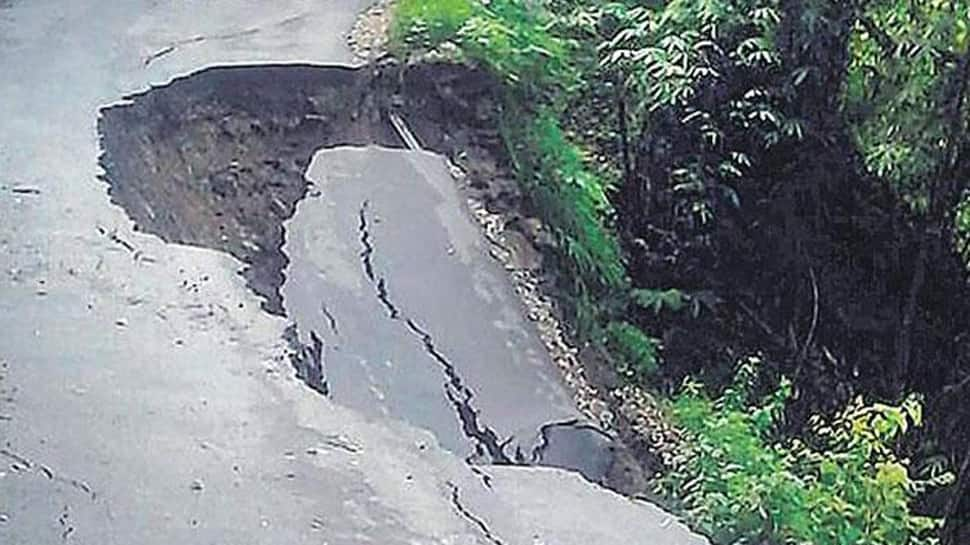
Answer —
(904, 340)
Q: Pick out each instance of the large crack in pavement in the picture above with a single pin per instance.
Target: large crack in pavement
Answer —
(486, 441)
(368, 251)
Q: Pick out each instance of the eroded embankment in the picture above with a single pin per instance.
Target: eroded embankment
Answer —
(218, 159)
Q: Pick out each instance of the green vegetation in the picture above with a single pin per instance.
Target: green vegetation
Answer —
(634, 350)
(429, 24)
(504, 36)
(739, 485)
(788, 179)
(571, 197)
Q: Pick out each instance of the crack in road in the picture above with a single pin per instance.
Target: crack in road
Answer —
(392, 311)
(484, 438)
(159, 54)
(16, 458)
(113, 237)
(172, 47)
(64, 521)
(331, 319)
(368, 251)
(471, 517)
(22, 463)
(454, 387)
(485, 477)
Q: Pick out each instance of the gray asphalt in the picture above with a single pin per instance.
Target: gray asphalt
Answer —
(425, 274)
(143, 396)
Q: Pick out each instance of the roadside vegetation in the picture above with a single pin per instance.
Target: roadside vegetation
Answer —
(761, 210)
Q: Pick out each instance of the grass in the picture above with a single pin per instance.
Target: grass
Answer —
(428, 23)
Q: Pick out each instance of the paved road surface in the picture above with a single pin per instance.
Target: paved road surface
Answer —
(417, 321)
(143, 398)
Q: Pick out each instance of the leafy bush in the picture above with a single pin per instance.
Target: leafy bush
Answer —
(847, 487)
(514, 42)
(899, 86)
(963, 229)
(710, 64)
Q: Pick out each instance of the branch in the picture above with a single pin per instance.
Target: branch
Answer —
(951, 389)
(904, 340)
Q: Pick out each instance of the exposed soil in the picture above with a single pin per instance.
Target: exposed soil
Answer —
(217, 160)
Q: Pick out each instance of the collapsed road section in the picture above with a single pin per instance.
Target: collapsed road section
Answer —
(398, 309)
(217, 159)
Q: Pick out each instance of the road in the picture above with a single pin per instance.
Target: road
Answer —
(145, 398)
(389, 270)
